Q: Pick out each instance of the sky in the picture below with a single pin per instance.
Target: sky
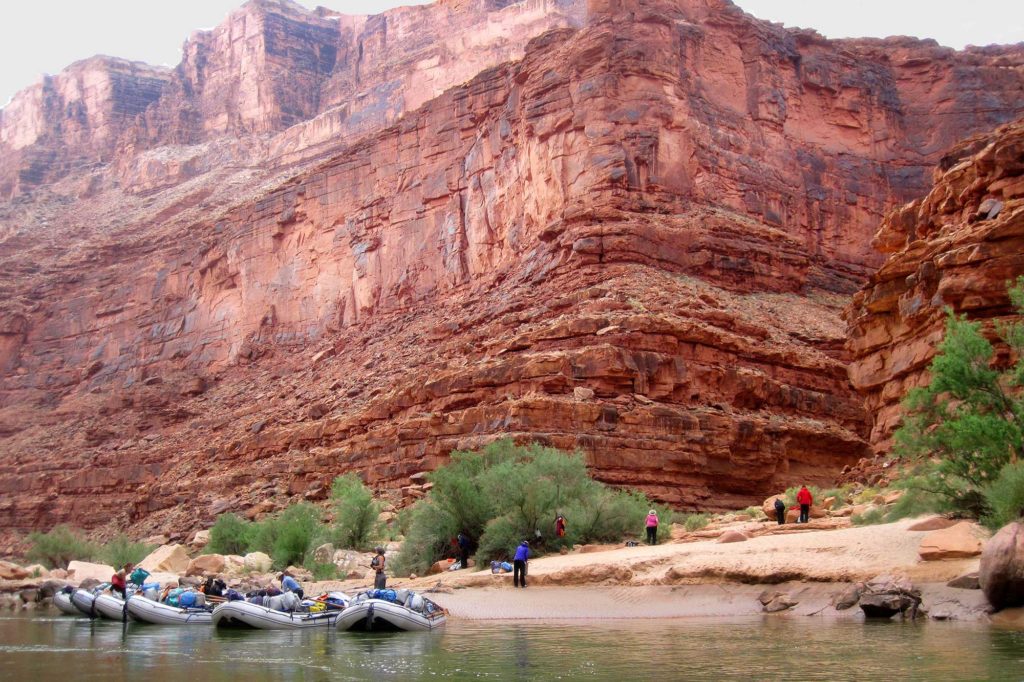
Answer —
(44, 36)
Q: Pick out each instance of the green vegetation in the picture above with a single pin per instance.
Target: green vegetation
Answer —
(506, 493)
(230, 534)
(59, 546)
(694, 522)
(122, 550)
(965, 430)
(289, 535)
(753, 512)
(355, 513)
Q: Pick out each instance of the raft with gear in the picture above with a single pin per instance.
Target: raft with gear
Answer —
(391, 610)
(282, 612)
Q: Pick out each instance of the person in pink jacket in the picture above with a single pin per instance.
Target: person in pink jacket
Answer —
(652, 527)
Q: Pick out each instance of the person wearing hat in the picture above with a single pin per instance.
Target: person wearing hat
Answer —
(652, 527)
(380, 578)
(519, 564)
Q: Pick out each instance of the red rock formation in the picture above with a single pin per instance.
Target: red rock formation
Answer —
(956, 248)
(634, 240)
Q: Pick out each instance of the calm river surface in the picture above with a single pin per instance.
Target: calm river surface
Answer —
(40, 648)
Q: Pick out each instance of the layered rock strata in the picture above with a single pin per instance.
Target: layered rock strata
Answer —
(635, 241)
(956, 249)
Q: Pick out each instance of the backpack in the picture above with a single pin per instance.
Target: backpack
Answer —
(138, 576)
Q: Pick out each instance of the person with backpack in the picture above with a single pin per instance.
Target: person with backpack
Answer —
(463, 542)
(805, 500)
(780, 511)
(380, 578)
(519, 564)
(652, 527)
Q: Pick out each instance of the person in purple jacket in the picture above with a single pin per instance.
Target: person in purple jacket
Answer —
(519, 564)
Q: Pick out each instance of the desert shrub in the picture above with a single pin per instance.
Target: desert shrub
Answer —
(693, 522)
(289, 535)
(869, 518)
(322, 571)
(865, 496)
(355, 513)
(506, 493)
(1005, 496)
(230, 534)
(968, 423)
(753, 512)
(839, 493)
(59, 546)
(122, 550)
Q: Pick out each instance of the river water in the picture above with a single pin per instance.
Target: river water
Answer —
(40, 648)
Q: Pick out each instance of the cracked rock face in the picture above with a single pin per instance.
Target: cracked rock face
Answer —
(328, 243)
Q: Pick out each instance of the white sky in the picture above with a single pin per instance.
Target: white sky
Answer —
(44, 37)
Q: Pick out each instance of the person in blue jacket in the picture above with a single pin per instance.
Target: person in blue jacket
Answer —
(519, 564)
(290, 584)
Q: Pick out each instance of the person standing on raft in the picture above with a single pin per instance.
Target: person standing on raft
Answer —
(652, 527)
(519, 564)
(805, 500)
(380, 578)
(119, 581)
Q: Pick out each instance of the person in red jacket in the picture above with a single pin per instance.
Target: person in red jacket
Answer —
(804, 499)
(119, 581)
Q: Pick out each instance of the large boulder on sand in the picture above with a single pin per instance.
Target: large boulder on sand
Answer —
(206, 564)
(11, 571)
(258, 562)
(732, 536)
(1002, 567)
(932, 523)
(960, 541)
(79, 571)
(167, 559)
(200, 539)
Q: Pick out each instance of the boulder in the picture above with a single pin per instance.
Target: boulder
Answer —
(732, 536)
(773, 601)
(156, 540)
(324, 554)
(234, 564)
(79, 571)
(1002, 567)
(12, 571)
(206, 564)
(959, 541)
(167, 558)
(967, 581)
(849, 597)
(257, 562)
(37, 570)
(885, 596)
(200, 539)
(768, 506)
(932, 523)
(90, 583)
(59, 573)
(50, 588)
(792, 515)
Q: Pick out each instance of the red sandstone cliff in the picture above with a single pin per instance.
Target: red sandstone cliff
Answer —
(635, 239)
(956, 248)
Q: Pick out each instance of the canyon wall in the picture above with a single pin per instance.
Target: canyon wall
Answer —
(955, 249)
(631, 232)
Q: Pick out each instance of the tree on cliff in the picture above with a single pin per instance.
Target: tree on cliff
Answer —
(965, 430)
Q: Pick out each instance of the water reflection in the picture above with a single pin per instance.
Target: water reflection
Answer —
(66, 648)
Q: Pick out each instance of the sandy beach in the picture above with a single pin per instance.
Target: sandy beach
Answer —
(813, 564)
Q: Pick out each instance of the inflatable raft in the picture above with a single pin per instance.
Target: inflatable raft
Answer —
(109, 606)
(148, 611)
(62, 600)
(387, 610)
(247, 615)
(83, 601)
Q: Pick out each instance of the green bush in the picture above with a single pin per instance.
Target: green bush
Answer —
(753, 512)
(1005, 496)
(122, 550)
(230, 534)
(288, 536)
(326, 571)
(59, 546)
(355, 513)
(694, 522)
(504, 494)
(839, 493)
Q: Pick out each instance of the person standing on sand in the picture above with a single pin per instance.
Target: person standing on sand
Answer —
(652, 527)
(560, 526)
(804, 499)
(519, 564)
(380, 578)
(780, 510)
